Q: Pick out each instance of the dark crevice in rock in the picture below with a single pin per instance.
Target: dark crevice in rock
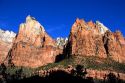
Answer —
(8, 59)
(10, 63)
(105, 41)
(67, 50)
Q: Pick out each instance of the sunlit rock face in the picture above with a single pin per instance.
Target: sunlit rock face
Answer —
(6, 41)
(115, 45)
(102, 28)
(33, 47)
(95, 39)
(7, 36)
(86, 39)
(61, 42)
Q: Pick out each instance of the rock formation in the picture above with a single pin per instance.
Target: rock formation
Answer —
(33, 47)
(61, 42)
(95, 39)
(86, 39)
(6, 41)
(96, 74)
(115, 45)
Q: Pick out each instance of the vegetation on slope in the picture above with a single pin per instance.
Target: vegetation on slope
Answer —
(89, 63)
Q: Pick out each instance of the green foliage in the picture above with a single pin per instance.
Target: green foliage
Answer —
(27, 72)
(62, 64)
(103, 64)
(50, 65)
(89, 63)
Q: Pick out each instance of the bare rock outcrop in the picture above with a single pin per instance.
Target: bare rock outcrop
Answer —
(6, 42)
(86, 39)
(95, 39)
(115, 45)
(61, 42)
(33, 47)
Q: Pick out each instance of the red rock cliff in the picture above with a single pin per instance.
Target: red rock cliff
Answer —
(94, 39)
(33, 47)
(6, 42)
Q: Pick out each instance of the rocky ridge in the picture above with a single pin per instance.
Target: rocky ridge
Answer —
(6, 41)
(85, 39)
(33, 47)
(95, 39)
(96, 74)
(61, 42)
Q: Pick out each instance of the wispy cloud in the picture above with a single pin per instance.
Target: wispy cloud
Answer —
(57, 31)
(51, 29)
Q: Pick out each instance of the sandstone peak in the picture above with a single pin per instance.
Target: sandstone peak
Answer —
(32, 21)
(33, 43)
(7, 36)
(118, 32)
(61, 42)
(102, 27)
(6, 41)
(79, 21)
(29, 18)
(96, 28)
(30, 30)
(79, 24)
(85, 39)
(95, 39)
(91, 24)
(38, 48)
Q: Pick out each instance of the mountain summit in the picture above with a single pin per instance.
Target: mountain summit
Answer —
(90, 44)
(95, 39)
(6, 42)
(33, 47)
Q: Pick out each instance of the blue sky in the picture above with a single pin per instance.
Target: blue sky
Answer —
(57, 16)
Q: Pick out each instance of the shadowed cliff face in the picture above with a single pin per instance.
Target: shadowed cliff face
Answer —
(33, 47)
(94, 39)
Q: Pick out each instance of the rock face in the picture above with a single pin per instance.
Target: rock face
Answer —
(61, 42)
(102, 74)
(96, 74)
(33, 47)
(6, 41)
(115, 45)
(86, 39)
(95, 39)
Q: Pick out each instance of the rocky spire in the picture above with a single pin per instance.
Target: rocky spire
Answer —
(95, 39)
(30, 31)
(102, 27)
(33, 47)
(29, 18)
(6, 42)
(85, 39)
(7, 36)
